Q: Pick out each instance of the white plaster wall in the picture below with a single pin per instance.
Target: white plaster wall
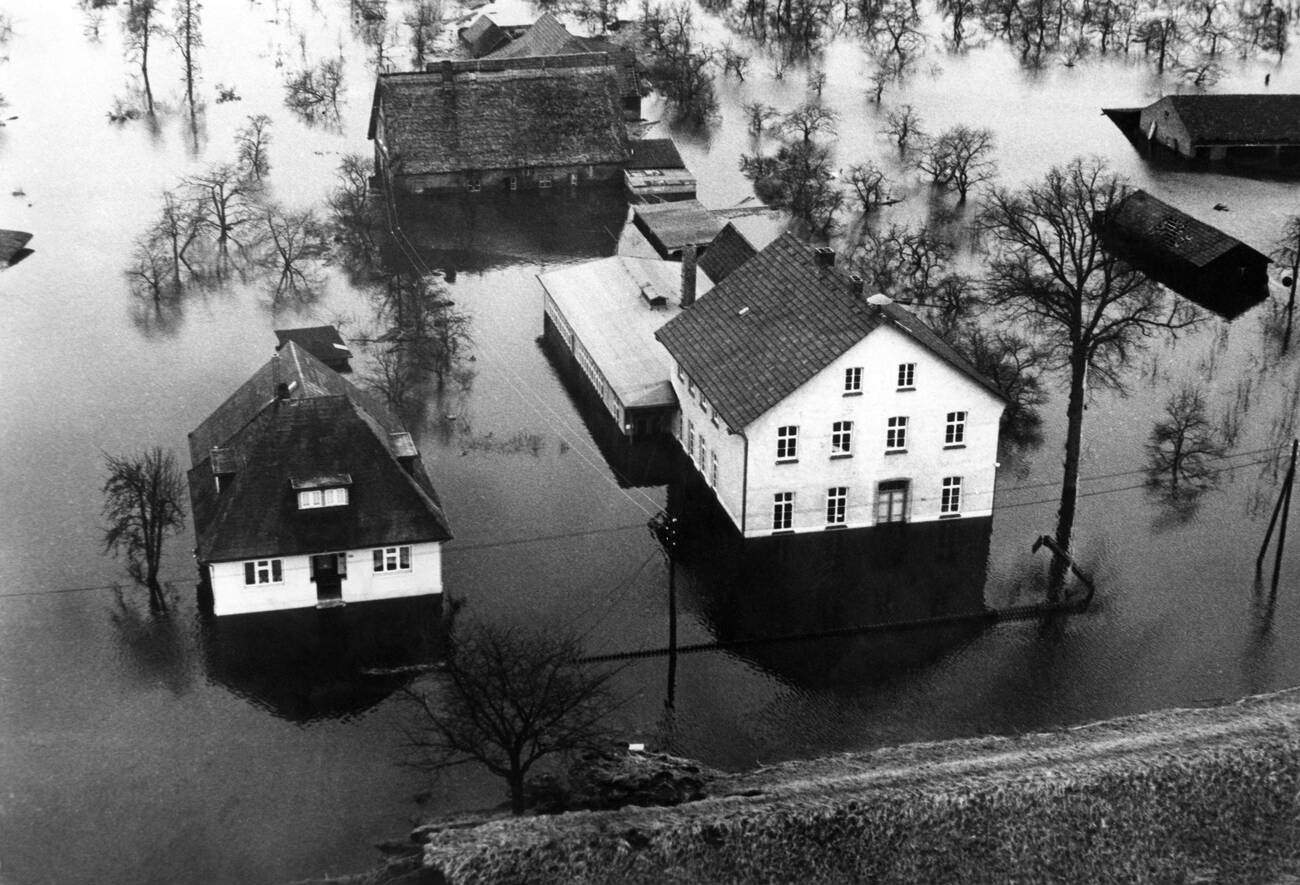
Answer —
(231, 596)
(821, 401)
(729, 446)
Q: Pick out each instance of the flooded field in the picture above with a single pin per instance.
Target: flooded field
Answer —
(140, 748)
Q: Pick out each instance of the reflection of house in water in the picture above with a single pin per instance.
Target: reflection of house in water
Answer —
(304, 665)
(1258, 131)
(307, 492)
(808, 406)
(755, 595)
(1201, 262)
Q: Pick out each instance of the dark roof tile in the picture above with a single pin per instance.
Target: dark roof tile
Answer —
(728, 251)
(1157, 226)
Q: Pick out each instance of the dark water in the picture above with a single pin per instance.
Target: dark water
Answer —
(140, 748)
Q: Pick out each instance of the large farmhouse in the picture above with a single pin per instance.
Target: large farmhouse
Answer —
(808, 406)
(1258, 129)
(503, 123)
(307, 492)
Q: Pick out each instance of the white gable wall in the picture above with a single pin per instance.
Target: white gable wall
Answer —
(230, 595)
(817, 404)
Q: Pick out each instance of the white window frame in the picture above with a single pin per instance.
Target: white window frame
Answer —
(704, 455)
(950, 500)
(837, 498)
(713, 469)
(885, 492)
(310, 499)
(263, 571)
(783, 511)
(389, 559)
(954, 431)
(787, 443)
(852, 380)
(896, 434)
(690, 439)
(841, 439)
(907, 376)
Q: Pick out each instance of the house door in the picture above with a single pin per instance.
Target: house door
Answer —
(891, 501)
(328, 571)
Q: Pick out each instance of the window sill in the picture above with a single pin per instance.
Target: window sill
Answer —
(904, 389)
(838, 525)
(783, 531)
(838, 455)
(853, 393)
(950, 516)
(896, 451)
(781, 461)
(954, 446)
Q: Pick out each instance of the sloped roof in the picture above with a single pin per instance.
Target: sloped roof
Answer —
(547, 37)
(1239, 119)
(483, 36)
(502, 114)
(671, 226)
(12, 243)
(655, 153)
(777, 321)
(728, 251)
(322, 426)
(1156, 225)
(323, 342)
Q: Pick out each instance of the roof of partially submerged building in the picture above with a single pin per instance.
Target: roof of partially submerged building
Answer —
(502, 114)
(547, 37)
(608, 304)
(296, 421)
(12, 245)
(728, 251)
(672, 226)
(483, 36)
(323, 342)
(777, 321)
(1157, 225)
(655, 153)
(1259, 118)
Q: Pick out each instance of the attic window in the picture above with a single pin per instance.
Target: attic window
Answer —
(322, 498)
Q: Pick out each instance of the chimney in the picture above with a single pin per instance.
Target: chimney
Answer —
(446, 68)
(688, 275)
(824, 256)
(282, 390)
(855, 286)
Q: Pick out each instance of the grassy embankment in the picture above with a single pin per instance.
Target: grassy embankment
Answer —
(1183, 795)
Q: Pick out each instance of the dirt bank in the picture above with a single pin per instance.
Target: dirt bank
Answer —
(1181, 795)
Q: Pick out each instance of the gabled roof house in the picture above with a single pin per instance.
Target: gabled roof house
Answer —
(507, 123)
(1255, 129)
(807, 405)
(308, 492)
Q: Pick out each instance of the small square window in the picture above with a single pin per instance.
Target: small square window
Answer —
(896, 435)
(787, 443)
(906, 376)
(853, 379)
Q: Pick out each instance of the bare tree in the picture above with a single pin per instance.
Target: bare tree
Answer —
(140, 26)
(870, 186)
(509, 698)
(1286, 252)
(734, 61)
(1087, 308)
(149, 270)
(142, 505)
(226, 201)
(960, 158)
(187, 33)
(902, 124)
(680, 69)
(353, 213)
(425, 23)
(292, 238)
(177, 228)
(809, 120)
(251, 142)
(596, 15)
(315, 91)
(759, 115)
(798, 179)
(1183, 446)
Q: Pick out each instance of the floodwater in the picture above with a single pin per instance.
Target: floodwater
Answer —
(140, 748)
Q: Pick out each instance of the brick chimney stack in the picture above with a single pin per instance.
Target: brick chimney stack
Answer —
(688, 275)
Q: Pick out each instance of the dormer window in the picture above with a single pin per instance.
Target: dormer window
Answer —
(322, 498)
(322, 490)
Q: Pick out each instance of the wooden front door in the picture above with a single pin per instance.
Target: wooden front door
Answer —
(328, 571)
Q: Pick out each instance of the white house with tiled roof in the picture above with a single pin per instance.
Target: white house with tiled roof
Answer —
(307, 492)
(808, 406)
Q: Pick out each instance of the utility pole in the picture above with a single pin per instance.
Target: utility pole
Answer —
(664, 528)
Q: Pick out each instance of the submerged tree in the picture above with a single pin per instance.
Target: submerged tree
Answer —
(292, 238)
(510, 698)
(355, 217)
(424, 22)
(1286, 252)
(142, 506)
(902, 124)
(679, 68)
(188, 37)
(140, 27)
(959, 158)
(870, 186)
(315, 91)
(227, 201)
(251, 142)
(1183, 447)
(1088, 310)
(800, 180)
